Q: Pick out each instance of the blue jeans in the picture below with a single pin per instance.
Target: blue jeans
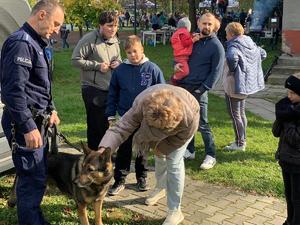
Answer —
(204, 128)
(170, 174)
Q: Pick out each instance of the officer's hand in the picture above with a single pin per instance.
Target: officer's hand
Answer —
(33, 139)
(54, 119)
(104, 67)
(178, 67)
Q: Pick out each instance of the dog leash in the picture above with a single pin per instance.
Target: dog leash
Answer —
(63, 137)
(55, 133)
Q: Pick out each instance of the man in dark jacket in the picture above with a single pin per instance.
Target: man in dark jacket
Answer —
(206, 65)
(26, 93)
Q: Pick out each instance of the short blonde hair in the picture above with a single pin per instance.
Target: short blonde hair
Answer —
(163, 110)
(131, 41)
(235, 29)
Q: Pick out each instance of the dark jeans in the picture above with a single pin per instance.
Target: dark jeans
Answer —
(204, 128)
(97, 124)
(65, 43)
(123, 161)
(291, 179)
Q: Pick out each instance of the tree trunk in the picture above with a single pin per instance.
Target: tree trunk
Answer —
(80, 31)
(192, 14)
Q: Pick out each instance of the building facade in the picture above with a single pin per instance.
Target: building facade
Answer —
(291, 27)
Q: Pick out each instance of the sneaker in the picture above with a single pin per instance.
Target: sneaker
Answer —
(155, 196)
(142, 185)
(208, 162)
(116, 188)
(174, 217)
(234, 147)
(189, 155)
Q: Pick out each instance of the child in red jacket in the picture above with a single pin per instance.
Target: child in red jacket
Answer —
(182, 44)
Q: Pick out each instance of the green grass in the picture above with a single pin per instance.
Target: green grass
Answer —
(254, 170)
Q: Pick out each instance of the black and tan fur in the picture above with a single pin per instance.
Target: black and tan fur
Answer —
(85, 178)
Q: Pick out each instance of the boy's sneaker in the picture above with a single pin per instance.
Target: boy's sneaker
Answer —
(189, 155)
(174, 217)
(116, 188)
(234, 147)
(208, 163)
(155, 196)
(142, 185)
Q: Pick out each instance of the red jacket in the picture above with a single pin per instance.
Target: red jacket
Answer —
(182, 42)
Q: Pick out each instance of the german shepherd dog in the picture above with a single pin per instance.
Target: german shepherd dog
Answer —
(85, 178)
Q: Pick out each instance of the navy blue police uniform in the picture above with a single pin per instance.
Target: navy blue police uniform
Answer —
(26, 93)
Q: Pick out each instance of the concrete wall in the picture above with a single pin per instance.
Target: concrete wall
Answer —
(291, 27)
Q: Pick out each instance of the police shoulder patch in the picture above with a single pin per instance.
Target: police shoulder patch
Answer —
(20, 60)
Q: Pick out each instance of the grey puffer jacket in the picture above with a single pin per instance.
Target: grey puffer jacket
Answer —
(244, 59)
(89, 53)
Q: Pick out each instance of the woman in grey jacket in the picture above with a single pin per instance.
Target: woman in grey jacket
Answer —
(242, 76)
(166, 118)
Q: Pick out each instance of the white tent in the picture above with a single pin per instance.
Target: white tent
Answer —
(13, 13)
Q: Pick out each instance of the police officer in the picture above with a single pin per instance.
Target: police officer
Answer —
(26, 93)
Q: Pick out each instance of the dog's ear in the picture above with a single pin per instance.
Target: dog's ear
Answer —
(85, 148)
(107, 153)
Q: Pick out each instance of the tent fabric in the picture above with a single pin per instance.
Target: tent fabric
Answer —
(13, 13)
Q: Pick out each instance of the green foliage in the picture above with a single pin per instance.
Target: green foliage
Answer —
(80, 11)
(32, 2)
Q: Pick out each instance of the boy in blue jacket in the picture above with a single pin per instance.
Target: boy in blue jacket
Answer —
(128, 80)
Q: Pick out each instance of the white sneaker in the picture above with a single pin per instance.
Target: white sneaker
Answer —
(234, 147)
(174, 217)
(208, 162)
(189, 155)
(155, 196)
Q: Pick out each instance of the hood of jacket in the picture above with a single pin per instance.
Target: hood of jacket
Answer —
(246, 45)
(145, 59)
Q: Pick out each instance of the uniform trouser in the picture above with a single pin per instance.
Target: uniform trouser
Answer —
(170, 174)
(123, 161)
(31, 169)
(292, 195)
(236, 110)
(204, 128)
(97, 124)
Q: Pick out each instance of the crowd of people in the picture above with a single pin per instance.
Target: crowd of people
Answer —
(130, 108)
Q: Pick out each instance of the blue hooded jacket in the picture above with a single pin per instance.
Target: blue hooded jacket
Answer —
(129, 80)
(244, 59)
